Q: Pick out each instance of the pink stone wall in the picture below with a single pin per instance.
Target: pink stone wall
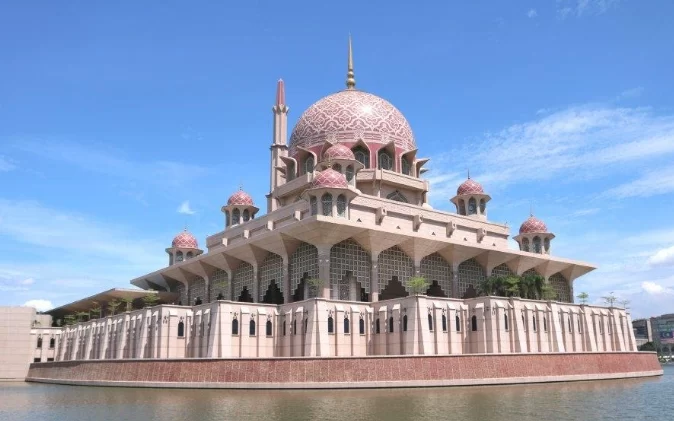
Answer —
(321, 371)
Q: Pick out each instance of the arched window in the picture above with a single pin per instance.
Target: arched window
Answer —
(580, 326)
(284, 328)
(430, 321)
(227, 219)
(236, 216)
(406, 167)
(290, 171)
(533, 320)
(39, 341)
(294, 326)
(341, 205)
(235, 327)
(362, 155)
(385, 160)
(472, 206)
(269, 328)
(251, 327)
(390, 324)
(181, 329)
(189, 255)
(473, 323)
(347, 326)
(314, 205)
(179, 256)
(462, 207)
(537, 244)
(327, 204)
(483, 206)
(570, 325)
(331, 325)
(337, 167)
(52, 343)
(361, 326)
(309, 164)
(458, 324)
(377, 328)
(505, 321)
(546, 244)
(397, 196)
(246, 215)
(349, 174)
(524, 323)
(306, 324)
(525, 244)
(545, 324)
(444, 323)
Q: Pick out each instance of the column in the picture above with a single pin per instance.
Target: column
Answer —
(374, 278)
(287, 292)
(455, 280)
(256, 285)
(324, 271)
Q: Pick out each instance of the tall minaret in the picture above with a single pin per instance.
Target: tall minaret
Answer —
(279, 146)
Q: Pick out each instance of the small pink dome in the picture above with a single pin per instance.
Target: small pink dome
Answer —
(331, 179)
(185, 240)
(470, 186)
(533, 225)
(338, 151)
(240, 198)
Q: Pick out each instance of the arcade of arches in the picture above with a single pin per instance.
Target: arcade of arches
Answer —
(350, 277)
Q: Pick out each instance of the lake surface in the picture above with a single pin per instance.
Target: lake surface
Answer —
(634, 399)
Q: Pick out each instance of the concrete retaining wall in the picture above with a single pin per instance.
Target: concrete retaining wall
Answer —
(391, 371)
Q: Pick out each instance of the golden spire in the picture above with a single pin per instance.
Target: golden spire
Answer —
(350, 80)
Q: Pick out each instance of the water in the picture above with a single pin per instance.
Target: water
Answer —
(634, 399)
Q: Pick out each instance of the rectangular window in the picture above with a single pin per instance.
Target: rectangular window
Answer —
(36, 360)
(50, 359)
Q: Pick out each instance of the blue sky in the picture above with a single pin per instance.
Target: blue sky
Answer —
(119, 124)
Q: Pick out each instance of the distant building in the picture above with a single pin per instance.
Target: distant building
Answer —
(643, 332)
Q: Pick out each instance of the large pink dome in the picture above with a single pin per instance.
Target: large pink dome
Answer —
(240, 198)
(330, 179)
(350, 115)
(185, 240)
(533, 225)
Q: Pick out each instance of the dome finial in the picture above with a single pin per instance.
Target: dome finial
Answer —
(468, 171)
(350, 79)
(531, 208)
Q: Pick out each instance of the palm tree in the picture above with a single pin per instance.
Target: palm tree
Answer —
(112, 306)
(583, 296)
(489, 286)
(511, 286)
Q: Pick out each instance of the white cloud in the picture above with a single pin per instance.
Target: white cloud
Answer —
(162, 174)
(185, 209)
(532, 13)
(6, 164)
(566, 8)
(27, 281)
(33, 224)
(655, 288)
(631, 93)
(663, 257)
(652, 183)
(586, 212)
(39, 305)
(580, 141)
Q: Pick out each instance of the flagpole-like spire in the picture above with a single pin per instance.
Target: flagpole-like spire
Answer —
(350, 79)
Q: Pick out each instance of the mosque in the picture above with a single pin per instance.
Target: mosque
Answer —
(329, 270)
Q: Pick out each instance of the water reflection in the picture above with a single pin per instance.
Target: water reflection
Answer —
(606, 400)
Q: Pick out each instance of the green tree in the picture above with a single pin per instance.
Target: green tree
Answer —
(69, 319)
(128, 301)
(150, 300)
(82, 316)
(547, 292)
(112, 306)
(648, 346)
(583, 296)
(492, 285)
(95, 311)
(511, 286)
(418, 285)
(610, 299)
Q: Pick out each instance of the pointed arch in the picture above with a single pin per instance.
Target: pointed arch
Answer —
(394, 269)
(436, 270)
(471, 273)
(326, 204)
(349, 261)
(271, 271)
(362, 154)
(243, 282)
(303, 265)
(560, 285)
(397, 196)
